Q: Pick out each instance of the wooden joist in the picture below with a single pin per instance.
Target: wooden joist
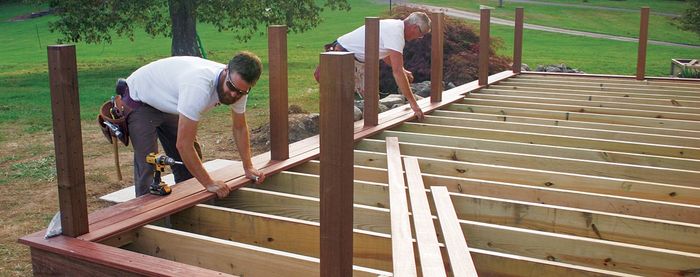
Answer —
(564, 212)
(490, 132)
(578, 116)
(588, 96)
(227, 256)
(565, 248)
(544, 150)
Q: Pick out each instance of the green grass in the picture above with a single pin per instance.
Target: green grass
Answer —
(597, 21)
(665, 6)
(599, 56)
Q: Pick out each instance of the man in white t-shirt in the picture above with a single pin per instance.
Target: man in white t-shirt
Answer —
(168, 98)
(393, 34)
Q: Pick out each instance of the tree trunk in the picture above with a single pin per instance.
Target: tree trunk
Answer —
(184, 28)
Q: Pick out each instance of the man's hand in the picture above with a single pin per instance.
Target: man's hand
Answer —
(255, 175)
(419, 114)
(220, 188)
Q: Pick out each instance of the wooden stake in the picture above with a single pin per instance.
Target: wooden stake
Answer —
(115, 143)
(279, 118)
(436, 57)
(336, 155)
(643, 37)
(70, 169)
(484, 47)
(370, 113)
(518, 42)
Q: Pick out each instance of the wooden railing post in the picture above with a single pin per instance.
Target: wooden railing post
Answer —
(643, 37)
(336, 155)
(436, 62)
(484, 47)
(70, 168)
(279, 118)
(518, 42)
(370, 111)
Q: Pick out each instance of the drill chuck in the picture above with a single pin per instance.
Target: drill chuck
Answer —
(165, 160)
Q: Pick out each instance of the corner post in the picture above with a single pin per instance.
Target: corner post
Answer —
(484, 47)
(279, 118)
(70, 168)
(518, 42)
(336, 155)
(643, 38)
(370, 112)
(436, 57)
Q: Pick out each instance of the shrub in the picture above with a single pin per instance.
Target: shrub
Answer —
(460, 54)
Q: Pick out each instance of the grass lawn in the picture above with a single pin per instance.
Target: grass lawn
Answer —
(665, 6)
(597, 21)
(599, 56)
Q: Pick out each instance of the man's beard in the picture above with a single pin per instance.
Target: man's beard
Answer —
(226, 98)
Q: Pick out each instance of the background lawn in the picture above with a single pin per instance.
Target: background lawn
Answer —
(618, 23)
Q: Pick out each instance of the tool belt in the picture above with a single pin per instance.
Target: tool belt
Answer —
(331, 47)
(113, 114)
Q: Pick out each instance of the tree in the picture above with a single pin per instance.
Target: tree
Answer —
(95, 21)
(690, 19)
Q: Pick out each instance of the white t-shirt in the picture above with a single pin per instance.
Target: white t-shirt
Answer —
(180, 85)
(390, 38)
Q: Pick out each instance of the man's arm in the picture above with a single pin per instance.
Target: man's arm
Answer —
(242, 137)
(396, 61)
(186, 133)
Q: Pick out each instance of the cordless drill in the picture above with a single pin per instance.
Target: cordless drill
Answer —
(159, 161)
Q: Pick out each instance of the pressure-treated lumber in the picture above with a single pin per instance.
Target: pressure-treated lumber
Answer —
(518, 41)
(687, 117)
(602, 169)
(370, 249)
(436, 56)
(426, 238)
(565, 248)
(618, 79)
(370, 112)
(591, 202)
(643, 37)
(65, 110)
(293, 235)
(611, 135)
(588, 102)
(401, 238)
(590, 96)
(335, 145)
(576, 116)
(563, 212)
(677, 88)
(460, 260)
(484, 45)
(534, 87)
(279, 127)
(631, 206)
(227, 256)
(670, 136)
(493, 133)
(544, 150)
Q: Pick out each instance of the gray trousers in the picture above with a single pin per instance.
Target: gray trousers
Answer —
(146, 124)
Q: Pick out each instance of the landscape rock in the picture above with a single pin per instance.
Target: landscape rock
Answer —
(358, 114)
(557, 68)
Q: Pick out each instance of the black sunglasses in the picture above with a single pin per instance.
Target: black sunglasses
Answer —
(233, 87)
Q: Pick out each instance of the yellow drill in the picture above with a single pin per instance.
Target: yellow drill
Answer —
(159, 161)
